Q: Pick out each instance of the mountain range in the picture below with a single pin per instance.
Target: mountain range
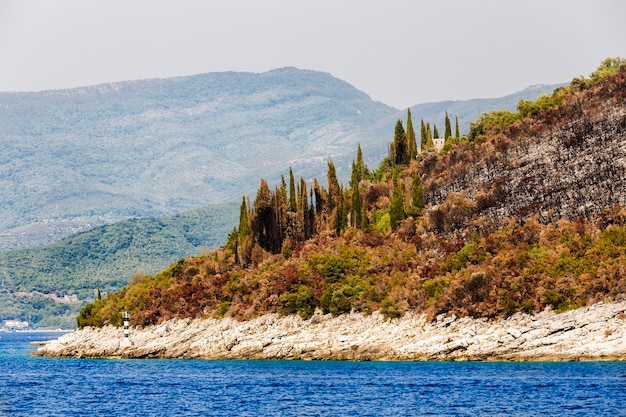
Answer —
(75, 159)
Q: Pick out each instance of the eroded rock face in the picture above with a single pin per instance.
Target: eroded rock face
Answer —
(595, 332)
(568, 162)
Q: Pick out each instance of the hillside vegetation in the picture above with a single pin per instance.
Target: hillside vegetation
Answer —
(72, 160)
(459, 232)
(34, 281)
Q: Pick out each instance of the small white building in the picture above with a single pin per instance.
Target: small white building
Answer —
(439, 144)
(15, 325)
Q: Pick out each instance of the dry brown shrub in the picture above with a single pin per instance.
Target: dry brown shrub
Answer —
(375, 192)
(373, 239)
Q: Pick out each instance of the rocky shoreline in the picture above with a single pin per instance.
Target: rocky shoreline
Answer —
(597, 332)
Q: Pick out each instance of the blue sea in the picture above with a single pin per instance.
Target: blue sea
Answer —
(34, 386)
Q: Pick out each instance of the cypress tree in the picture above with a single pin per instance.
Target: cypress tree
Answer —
(310, 216)
(364, 220)
(425, 137)
(448, 128)
(417, 195)
(292, 192)
(456, 130)
(244, 225)
(400, 150)
(263, 224)
(355, 215)
(410, 137)
(282, 212)
(341, 216)
(435, 132)
(319, 198)
(396, 211)
(334, 191)
(360, 165)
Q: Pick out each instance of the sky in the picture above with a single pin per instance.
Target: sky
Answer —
(399, 52)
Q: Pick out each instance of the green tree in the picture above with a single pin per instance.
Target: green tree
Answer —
(608, 67)
(456, 129)
(263, 224)
(396, 211)
(292, 192)
(244, 225)
(399, 150)
(417, 195)
(334, 190)
(355, 210)
(410, 137)
(426, 137)
(448, 128)
(340, 221)
(435, 132)
(360, 164)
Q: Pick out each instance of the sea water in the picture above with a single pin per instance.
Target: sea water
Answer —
(35, 386)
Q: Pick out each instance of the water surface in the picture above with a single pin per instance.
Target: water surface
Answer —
(33, 386)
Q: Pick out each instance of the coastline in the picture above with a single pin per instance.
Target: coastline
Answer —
(596, 332)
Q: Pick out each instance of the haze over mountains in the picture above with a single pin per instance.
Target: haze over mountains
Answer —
(71, 160)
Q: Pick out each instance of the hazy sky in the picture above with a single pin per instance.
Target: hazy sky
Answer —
(400, 52)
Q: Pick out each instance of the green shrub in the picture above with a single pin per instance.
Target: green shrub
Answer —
(388, 308)
(88, 316)
(489, 121)
(223, 308)
(301, 302)
(333, 270)
(434, 287)
(338, 299)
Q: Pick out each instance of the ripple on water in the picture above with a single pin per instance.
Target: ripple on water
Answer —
(86, 387)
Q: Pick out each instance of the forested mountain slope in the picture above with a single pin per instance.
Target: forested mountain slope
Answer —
(36, 281)
(71, 160)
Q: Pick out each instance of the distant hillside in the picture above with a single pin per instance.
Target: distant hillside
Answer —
(71, 160)
(105, 258)
(75, 159)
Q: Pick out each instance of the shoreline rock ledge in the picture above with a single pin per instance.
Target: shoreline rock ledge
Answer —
(597, 332)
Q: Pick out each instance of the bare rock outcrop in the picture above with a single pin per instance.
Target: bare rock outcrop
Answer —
(597, 332)
(565, 163)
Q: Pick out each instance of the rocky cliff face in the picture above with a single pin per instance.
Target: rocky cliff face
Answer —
(565, 163)
(592, 333)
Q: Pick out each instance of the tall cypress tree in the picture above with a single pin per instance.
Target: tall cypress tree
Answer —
(448, 128)
(263, 219)
(435, 132)
(292, 192)
(356, 212)
(360, 165)
(410, 136)
(417, 195)
(396, 211)
(456, 130)
(334, 190)
(425, 137)
(400, 149)
(355, 209)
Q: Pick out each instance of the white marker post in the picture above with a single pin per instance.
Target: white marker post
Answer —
(126, 317)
